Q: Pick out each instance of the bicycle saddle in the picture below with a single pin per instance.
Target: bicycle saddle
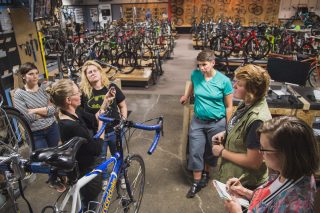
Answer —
(62, 157)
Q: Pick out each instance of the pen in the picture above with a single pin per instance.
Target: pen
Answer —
(238, 181)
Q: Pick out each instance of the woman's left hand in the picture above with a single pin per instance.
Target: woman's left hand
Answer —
(232, 206)
(216, 149)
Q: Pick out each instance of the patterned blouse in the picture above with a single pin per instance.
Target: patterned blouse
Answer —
(292, 197)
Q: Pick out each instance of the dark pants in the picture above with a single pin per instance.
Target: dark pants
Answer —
(48, 137)
(91, 190)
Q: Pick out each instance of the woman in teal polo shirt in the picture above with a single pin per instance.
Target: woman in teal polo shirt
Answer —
(212, 109)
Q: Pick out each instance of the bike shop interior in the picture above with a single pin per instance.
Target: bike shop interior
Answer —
(148, 48)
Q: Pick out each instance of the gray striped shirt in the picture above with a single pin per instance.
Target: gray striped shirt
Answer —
(24, 100)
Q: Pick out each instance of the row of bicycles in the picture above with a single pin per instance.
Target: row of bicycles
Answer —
(226, 38)
(18, 164)
(126, 46)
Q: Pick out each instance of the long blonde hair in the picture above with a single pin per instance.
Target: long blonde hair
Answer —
(85, 85)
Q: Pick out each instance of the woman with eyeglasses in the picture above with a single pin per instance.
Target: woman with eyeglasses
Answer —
(212, 108)
(239, 145)
(73, 121)
(289, 147)
(33, 102)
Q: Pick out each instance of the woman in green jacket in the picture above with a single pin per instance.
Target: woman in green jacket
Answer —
(239, 145)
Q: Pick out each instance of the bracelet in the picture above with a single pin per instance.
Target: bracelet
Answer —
(220, 153)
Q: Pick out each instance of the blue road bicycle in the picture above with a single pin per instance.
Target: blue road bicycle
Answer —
(126, 181)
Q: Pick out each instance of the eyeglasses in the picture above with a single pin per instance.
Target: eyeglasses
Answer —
(262, 150)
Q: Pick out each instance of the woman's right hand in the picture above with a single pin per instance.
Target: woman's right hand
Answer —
(234, 187)
(183, 99)
(218, 138)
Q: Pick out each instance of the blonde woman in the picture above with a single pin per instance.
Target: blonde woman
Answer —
(94, 86)
(73, 121)
(240, 149)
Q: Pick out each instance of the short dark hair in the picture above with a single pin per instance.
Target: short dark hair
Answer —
(206, 55)
(26, 67)
(296, 144)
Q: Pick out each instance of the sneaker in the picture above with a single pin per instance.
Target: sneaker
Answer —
(195, 188)
(204, 179)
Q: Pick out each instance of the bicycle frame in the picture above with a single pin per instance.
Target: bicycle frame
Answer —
(239, 44)
(117, 160)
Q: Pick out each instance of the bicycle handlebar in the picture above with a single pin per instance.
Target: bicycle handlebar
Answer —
(157, 127)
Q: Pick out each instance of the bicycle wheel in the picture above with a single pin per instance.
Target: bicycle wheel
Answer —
(314, 78)
(222, 46)
(20, 138)
(127, 62)
(128, 198)
(258, 47)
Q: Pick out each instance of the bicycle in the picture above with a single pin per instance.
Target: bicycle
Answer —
(61, 161)
(15, 130)
(254, 45)
(15, 136)
(314, 72)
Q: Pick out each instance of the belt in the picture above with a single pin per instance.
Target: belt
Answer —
(210, 120)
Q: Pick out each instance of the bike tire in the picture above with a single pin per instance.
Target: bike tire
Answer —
(258, 48)
(22, 140)
(314, 78)
(134, 176)
(222, 46)
(127, 62)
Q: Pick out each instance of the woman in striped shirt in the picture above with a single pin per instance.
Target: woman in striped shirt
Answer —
(33, 101)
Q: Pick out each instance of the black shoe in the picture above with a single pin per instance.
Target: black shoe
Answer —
(193, 190)
(204, 179)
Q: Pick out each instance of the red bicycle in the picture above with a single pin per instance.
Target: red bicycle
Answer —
(256, 46)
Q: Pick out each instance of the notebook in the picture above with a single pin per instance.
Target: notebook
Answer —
(224, 194)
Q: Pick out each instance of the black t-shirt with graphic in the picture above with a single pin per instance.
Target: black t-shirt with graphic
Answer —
(92, 104)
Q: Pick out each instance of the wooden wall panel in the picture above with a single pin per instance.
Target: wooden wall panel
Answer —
(25, 31)
(156, 10)
(248, 11)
